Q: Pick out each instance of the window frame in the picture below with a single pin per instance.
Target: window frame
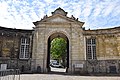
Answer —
(25, 41)
(91, 49)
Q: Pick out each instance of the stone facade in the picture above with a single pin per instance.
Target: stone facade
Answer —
(107, 47)
(107, 51)
(10, 40)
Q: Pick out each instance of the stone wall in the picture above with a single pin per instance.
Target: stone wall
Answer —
(107, 50)
(107, 43)
(10, 40)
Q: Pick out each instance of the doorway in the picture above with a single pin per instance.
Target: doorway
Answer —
(58, 56)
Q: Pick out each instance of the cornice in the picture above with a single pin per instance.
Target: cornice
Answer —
(114, 30)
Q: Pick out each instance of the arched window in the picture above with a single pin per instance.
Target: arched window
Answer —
(24, 48)
(91, 48)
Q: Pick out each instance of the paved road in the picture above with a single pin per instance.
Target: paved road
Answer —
(64, 77)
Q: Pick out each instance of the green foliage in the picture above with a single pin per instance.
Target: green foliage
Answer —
(58, 48)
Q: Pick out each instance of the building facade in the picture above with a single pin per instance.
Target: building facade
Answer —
(16, 48)
(88, 51)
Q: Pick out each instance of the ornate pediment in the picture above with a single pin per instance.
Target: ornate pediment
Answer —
(58, 19)
(58, 16)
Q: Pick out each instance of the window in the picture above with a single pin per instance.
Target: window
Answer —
(91, 48)
(24, 48)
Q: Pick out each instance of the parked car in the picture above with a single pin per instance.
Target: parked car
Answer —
(55, 63)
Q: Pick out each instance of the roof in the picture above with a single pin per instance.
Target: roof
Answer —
(14, 29)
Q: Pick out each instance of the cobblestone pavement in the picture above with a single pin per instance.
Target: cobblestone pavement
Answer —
(65, 77)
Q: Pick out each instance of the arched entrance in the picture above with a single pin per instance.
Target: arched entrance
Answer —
(51, 37)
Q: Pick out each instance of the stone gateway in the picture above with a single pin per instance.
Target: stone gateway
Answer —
(88, 51)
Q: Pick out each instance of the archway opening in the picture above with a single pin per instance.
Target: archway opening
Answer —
(58, 53)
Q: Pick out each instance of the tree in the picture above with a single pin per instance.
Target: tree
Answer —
(58, 48)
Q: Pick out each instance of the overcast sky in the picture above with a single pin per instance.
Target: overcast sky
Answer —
(96, 14)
